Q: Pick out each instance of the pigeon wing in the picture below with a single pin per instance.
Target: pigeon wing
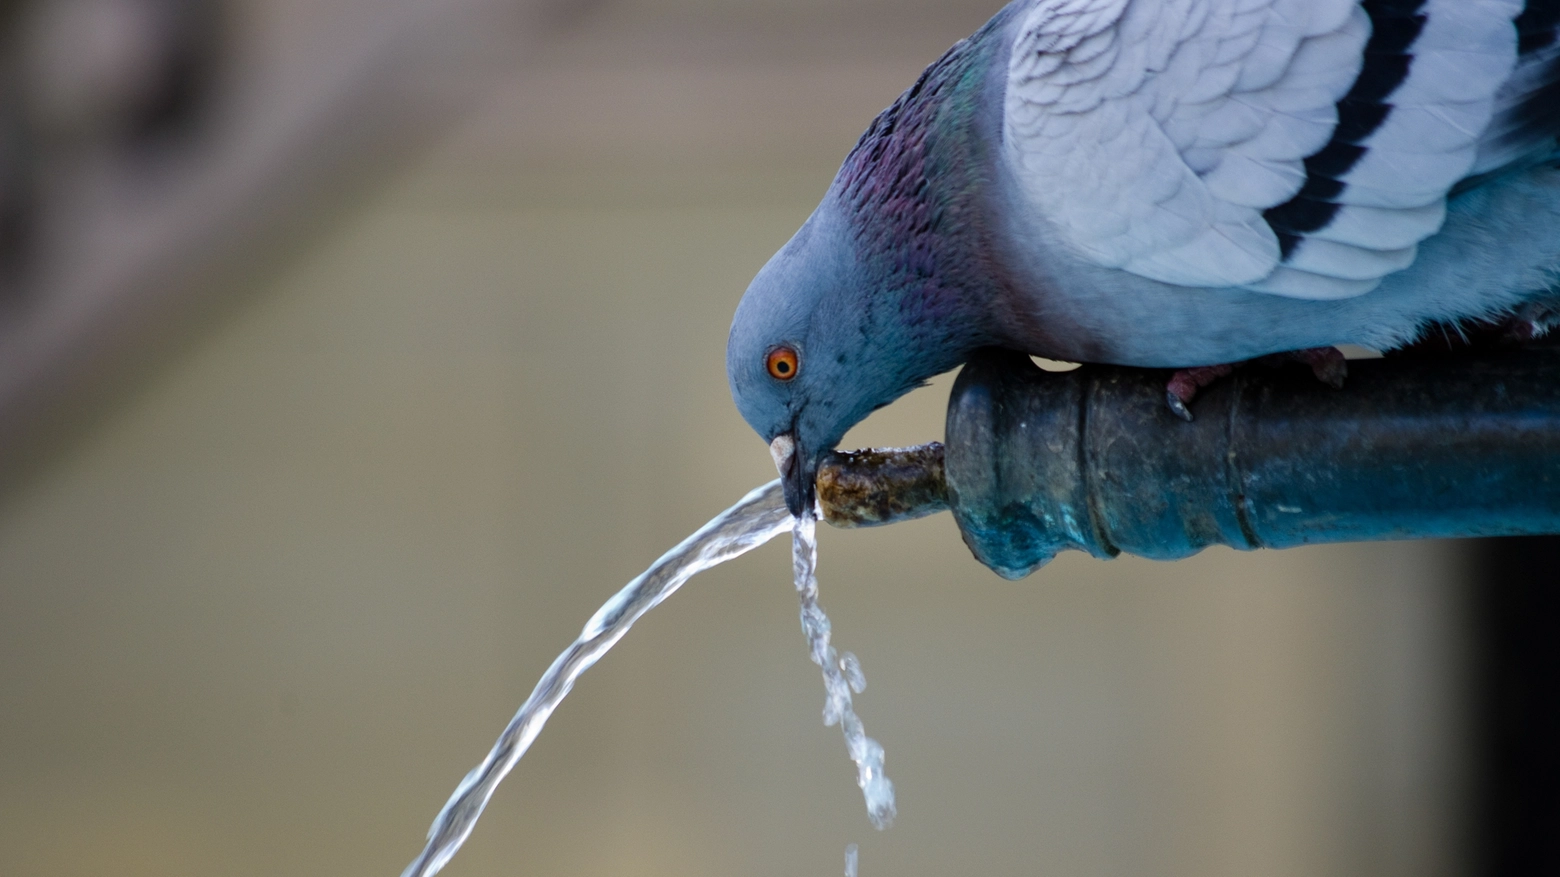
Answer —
(1296, 147)
(1526, 124)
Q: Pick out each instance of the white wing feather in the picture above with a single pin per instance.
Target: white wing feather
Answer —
(1154, 133)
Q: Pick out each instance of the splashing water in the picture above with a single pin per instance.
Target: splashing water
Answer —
(851, 852)
(754, 520)
(841, 675)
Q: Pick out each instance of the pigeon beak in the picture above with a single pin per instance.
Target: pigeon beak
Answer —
(797, 473)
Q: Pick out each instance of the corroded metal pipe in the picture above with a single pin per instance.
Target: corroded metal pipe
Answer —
(1037, 462)
(876, 486)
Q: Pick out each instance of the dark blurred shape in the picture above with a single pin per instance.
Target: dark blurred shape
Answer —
(187, 70)
(1516, 595)
(84, 83)
(118, 72)
(154, 152)
(1515, 601)
(18, 193)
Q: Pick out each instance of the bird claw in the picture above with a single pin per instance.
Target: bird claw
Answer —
(1326, 363)
(1184, 384)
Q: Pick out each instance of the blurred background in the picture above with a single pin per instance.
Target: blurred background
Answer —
(352, 352)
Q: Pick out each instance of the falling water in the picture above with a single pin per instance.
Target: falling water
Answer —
(841, 675)
(754, 520)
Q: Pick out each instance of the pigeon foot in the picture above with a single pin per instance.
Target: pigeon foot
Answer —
(1326, 363)
(1184, 384)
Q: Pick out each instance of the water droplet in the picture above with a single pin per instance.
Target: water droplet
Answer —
(850, 665)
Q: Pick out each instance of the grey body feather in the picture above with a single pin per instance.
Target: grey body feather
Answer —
(1499, 248)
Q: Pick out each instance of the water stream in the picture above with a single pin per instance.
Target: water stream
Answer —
(841, 675)
(754, 520)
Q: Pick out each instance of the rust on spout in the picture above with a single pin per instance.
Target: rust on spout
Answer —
(877, 486)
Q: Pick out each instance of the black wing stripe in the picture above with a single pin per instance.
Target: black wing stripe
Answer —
(1395, 25)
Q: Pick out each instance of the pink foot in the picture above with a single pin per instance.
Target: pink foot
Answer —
(1327, 363)
(1184, 384)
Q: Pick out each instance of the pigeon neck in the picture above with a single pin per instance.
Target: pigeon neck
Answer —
(911, 192)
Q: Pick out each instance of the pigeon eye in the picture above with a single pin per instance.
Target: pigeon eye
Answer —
(781, 363)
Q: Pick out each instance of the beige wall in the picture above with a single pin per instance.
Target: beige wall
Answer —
(261, 616)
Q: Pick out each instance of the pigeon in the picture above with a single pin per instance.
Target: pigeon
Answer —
(1179, 184)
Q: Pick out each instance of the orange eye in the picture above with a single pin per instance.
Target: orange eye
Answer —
(781, 363)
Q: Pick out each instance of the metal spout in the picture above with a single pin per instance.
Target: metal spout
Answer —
(877, 486)
(1038, 462)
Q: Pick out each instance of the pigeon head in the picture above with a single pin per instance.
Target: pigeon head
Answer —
(888, 282)
(806, 359)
